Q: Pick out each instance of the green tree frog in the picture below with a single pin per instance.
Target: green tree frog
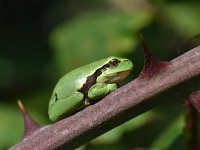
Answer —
(85, 85)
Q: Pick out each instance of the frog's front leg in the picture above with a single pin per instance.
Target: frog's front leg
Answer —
(66, 106)
(100, 90)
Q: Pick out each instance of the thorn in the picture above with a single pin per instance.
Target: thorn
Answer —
(145, 48)
(21, 106)
(30, 125)
(152, 65)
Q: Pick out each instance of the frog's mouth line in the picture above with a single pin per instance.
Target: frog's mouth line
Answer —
(119, 75)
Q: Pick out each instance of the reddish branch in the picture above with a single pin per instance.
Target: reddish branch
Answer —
(182, 76)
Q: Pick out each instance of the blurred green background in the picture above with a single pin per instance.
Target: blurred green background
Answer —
(41, 40)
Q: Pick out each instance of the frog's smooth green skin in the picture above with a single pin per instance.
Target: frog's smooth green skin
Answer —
(78, 88)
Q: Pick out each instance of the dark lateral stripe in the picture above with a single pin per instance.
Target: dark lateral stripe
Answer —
(91, 80)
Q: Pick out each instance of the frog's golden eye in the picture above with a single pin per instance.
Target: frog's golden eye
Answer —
(114, 62)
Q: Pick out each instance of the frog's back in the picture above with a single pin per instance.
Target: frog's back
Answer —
(73, 80)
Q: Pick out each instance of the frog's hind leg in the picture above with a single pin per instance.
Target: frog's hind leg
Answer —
(66, 106)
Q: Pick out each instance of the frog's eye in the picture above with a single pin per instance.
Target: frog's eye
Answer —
(114, 62)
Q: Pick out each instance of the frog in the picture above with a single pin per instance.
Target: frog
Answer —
(86, 85)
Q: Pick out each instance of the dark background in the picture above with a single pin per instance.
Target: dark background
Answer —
(42, 40)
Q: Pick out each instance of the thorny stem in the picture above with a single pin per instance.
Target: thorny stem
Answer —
(181, 76)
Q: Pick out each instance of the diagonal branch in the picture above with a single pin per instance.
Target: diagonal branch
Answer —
(180, 77)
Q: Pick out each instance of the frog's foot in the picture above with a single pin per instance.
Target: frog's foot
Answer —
(100, 90)
(87, 102)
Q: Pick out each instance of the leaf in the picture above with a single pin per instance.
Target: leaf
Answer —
(117, 133)
(94, 35)
(169, 135)
(11, 125)
(183, 17)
